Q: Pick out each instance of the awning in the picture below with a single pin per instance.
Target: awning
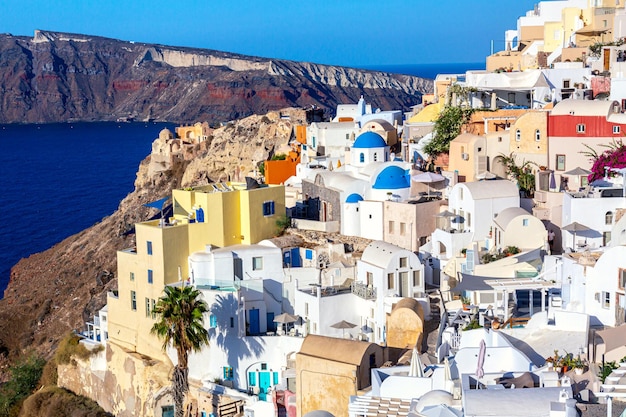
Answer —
(473, 283)
(482, 283)
(511, 81)
(613, 338)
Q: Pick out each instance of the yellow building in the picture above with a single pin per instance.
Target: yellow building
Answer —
(330, 370)
(566, 38)
(196, 133)
(468, 156)
(529, 137)
(233, 214)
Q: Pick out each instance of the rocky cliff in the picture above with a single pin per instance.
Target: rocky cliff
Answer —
(56, 77)
(58, 290)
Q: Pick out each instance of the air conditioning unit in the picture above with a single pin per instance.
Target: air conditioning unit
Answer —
(465, 156)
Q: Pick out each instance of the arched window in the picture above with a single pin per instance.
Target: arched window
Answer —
(362, 157)
(518, 135)
(608, 217)
(537, 135)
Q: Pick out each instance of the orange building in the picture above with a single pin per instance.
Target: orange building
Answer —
(277, 172)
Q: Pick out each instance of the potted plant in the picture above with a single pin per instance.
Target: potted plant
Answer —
(567, 362)
(579, 365)
(511, 250)
(554, 361)
(466, 302)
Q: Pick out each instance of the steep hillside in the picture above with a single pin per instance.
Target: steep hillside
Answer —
(60, 289)
(56, 77)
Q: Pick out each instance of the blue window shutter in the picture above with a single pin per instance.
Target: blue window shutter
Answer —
(252, 377)
(309, 254)
(275, 378)
(272, 207)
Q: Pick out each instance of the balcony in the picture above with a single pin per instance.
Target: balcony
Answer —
(367, 292)
(541, 213)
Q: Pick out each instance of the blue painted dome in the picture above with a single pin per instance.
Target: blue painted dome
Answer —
(354, 198)
(369, 140)
(391, 178)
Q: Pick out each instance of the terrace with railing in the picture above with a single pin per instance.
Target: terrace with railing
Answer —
(367, 292)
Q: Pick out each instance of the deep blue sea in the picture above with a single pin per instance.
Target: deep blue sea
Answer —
(429, 70)
(59, 179)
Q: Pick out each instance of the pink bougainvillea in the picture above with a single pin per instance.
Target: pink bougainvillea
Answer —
(614, 157)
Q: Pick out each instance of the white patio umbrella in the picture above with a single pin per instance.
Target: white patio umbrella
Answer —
(575, 227)
(416, 368)
(286, 318)
(482, 349)
(428, 178)
(578, 173)
(343, 325)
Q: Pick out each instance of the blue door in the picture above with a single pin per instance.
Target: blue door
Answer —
(271, 326)
(253, 317)
(264, 384)
(296, 260)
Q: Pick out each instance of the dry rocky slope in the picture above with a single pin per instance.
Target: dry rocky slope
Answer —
(55, 77)
(60, 289)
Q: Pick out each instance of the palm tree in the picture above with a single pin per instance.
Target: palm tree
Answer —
(180, 324)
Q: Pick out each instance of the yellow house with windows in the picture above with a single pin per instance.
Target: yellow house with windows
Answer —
(216, 214)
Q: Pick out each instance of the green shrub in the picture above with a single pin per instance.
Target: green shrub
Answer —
(68, 347)
(606, 369)
(283, 223)
(25, 375)
(58, 402)
(472, 325)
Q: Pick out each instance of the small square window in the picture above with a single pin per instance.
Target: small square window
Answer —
(616, 130)
(606, 299)
(524, 222)
(257, 263)
(404, 262)
(268, 208)
(580, 128)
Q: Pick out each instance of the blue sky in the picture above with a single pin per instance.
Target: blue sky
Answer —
(337, 32)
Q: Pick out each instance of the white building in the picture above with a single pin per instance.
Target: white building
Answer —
(384, 274)
(514, 226)
(596, 214)
(477, 203)
(254, 271)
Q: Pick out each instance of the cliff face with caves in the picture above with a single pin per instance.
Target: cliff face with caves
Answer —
(55, 77)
